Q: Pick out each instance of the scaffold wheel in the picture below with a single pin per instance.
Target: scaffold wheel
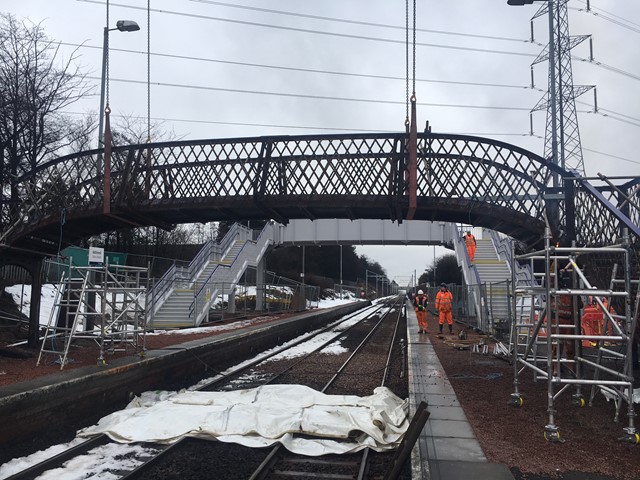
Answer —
(516, 400)
(552, 434)
(631, 436)
(578, 400)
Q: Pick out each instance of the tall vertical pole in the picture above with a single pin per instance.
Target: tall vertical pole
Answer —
(366, 283)
(340, 272)
(303, 255)
(552, 89)
(105, 48)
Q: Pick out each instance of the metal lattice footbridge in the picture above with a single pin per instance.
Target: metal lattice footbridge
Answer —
(455, 178)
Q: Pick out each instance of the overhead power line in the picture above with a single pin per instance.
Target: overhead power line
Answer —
(361, 37)
(314, 97)
(362, 23)
(303, 127)
(318, 32)
(612, 156)
(607, 67)
(603, 112)
(609, 17)
(610, 113)
(307, 70)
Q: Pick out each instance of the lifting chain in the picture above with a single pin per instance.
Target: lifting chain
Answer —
(413, 95)
(406, 120)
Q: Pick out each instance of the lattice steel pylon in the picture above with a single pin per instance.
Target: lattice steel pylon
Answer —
(562, 119)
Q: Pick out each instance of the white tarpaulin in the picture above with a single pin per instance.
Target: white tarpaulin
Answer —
(262, 416)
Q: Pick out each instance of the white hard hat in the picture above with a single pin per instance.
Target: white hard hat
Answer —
(420, 292)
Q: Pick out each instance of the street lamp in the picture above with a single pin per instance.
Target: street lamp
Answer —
(552, 79)
(123, 26)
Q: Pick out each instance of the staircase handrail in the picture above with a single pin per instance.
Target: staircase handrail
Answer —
(164, 286)
(201, 303)
(472, 276)
(216, 251)
(503, 248)
(188, 274)
(501, 244)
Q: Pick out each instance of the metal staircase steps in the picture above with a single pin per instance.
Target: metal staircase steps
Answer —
(183, 297)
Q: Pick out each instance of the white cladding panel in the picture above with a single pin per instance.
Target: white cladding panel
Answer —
(366, 232)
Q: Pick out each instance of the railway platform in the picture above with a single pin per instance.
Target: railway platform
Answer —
(447, 448)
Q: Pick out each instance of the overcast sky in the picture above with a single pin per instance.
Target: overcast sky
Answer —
(251, 68)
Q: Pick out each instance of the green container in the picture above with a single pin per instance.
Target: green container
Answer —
(80, 256)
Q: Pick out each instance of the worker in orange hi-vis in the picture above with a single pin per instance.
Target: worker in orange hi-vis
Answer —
(470, 241)
(420, 304)
(444, 305)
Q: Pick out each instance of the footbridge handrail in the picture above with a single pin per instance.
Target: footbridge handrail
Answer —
(460, 178)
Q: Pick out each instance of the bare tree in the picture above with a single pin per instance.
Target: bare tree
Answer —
(37, 85)
(133, 130)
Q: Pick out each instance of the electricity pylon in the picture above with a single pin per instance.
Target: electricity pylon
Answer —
(562, 134)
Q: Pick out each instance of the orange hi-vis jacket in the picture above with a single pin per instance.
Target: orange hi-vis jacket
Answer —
(444, 301)
(420, 302)
(470, 240)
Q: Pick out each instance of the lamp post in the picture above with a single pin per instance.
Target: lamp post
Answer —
(122, 26)
(340, 272)
(552, 80)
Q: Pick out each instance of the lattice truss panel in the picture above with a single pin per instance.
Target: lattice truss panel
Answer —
(301, 166)
(451, 167)
(63, 183)
(595, 223)
(345, 166)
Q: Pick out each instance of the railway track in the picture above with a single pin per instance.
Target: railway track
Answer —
(373, 333)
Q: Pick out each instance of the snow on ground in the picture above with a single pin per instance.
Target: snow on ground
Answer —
(22, 297)
(97, 463)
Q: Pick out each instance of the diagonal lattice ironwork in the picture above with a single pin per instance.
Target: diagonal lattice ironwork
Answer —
(459, 178)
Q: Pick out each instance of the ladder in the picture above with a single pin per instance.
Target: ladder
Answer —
(616, 352)
(62, 326)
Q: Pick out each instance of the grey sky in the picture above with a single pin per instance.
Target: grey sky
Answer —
(195, 42)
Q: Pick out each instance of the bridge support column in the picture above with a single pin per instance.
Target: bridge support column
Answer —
(260, 291)
(35, 269)
(570, 212)
(231, 299)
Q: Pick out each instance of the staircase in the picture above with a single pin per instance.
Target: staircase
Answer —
(495, 274)
(183, 296)
(491, 273)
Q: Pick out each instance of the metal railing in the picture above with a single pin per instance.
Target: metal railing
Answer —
(251, 251)
(185, 275)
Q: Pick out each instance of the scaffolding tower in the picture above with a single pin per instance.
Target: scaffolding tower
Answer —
(603, 354)
(102, 303)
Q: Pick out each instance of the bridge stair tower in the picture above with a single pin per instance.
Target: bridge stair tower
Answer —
(185, 294)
